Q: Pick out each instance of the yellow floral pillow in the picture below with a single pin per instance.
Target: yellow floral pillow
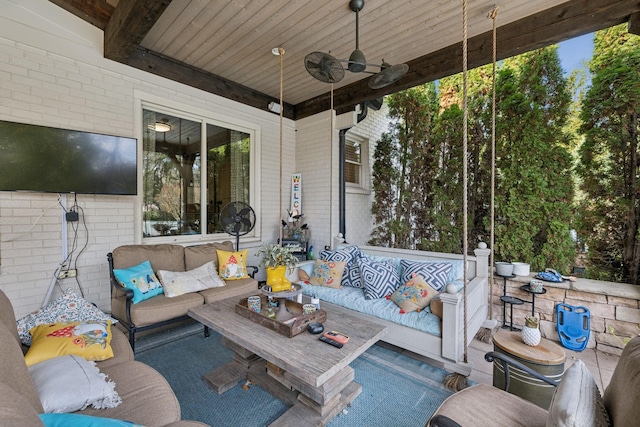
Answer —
(327, 273)
(232, 265)
(414, 295)
(91, 340)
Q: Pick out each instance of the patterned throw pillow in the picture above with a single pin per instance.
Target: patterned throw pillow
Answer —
(140, 279)
(350, 255)
(414, 295)
(327, 273)
(435, 273)
(68, 307)
(380, 278)
(232, 265)
(177, 283)
(577, 400)
(91, 340)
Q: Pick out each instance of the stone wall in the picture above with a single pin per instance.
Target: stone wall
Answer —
(614, 307)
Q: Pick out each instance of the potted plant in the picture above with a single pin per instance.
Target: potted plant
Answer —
(277, 260)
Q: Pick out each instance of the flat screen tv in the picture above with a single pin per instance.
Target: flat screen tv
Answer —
(46, 159)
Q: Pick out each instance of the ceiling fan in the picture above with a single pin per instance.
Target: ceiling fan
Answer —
(324, 67)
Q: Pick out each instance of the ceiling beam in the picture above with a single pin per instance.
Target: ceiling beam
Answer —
(129, 24)
(95, 12)
(634, 24)
(170, 68)
(571, 19)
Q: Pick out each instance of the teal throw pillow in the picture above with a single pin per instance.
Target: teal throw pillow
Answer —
(79, 420)
(141, 280)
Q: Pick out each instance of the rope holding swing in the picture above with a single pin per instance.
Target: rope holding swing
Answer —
(493, 15)
(457, 381)
(281, 54)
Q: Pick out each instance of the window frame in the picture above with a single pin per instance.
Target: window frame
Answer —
(364, 187)
(204, 117)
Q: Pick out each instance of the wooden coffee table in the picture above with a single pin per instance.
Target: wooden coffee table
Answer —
(310, 376)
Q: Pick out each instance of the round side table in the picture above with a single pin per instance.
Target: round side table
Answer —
(547, 358)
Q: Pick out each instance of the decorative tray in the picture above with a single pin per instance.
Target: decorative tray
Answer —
(289, 328)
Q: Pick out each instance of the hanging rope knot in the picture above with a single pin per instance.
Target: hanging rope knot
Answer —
(494, 13)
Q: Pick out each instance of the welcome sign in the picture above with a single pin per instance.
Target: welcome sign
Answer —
(296, 194)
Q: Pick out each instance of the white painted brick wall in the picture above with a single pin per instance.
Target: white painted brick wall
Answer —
(49, 79)
(52, 81)
(358, 218)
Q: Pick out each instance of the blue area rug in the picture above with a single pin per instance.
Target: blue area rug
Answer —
(396, 389)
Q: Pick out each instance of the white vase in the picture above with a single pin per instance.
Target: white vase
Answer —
(531, 332)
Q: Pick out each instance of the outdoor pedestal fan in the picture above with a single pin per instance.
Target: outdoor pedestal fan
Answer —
(237, 219)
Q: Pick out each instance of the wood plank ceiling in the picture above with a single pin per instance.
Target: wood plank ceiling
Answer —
(224, 47)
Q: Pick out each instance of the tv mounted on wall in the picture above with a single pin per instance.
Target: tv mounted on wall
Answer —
(46, 159)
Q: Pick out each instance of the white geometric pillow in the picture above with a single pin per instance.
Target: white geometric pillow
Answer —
(380, 278)
(177, 283)
(435, 274)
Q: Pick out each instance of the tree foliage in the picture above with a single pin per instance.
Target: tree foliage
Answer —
(609, 165)
(423, 164)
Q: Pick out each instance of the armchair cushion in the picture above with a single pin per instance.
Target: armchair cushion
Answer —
(619, 397)
(195, 256)
(483, 404)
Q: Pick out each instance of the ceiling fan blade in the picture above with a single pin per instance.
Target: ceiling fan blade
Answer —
(389, 74)
(324, 67)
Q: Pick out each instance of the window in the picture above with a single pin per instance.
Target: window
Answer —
(192, 167)
(353, 163)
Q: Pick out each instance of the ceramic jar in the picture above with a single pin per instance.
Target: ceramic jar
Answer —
(531, 332)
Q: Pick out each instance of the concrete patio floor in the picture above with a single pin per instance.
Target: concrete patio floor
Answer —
(600, 364)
